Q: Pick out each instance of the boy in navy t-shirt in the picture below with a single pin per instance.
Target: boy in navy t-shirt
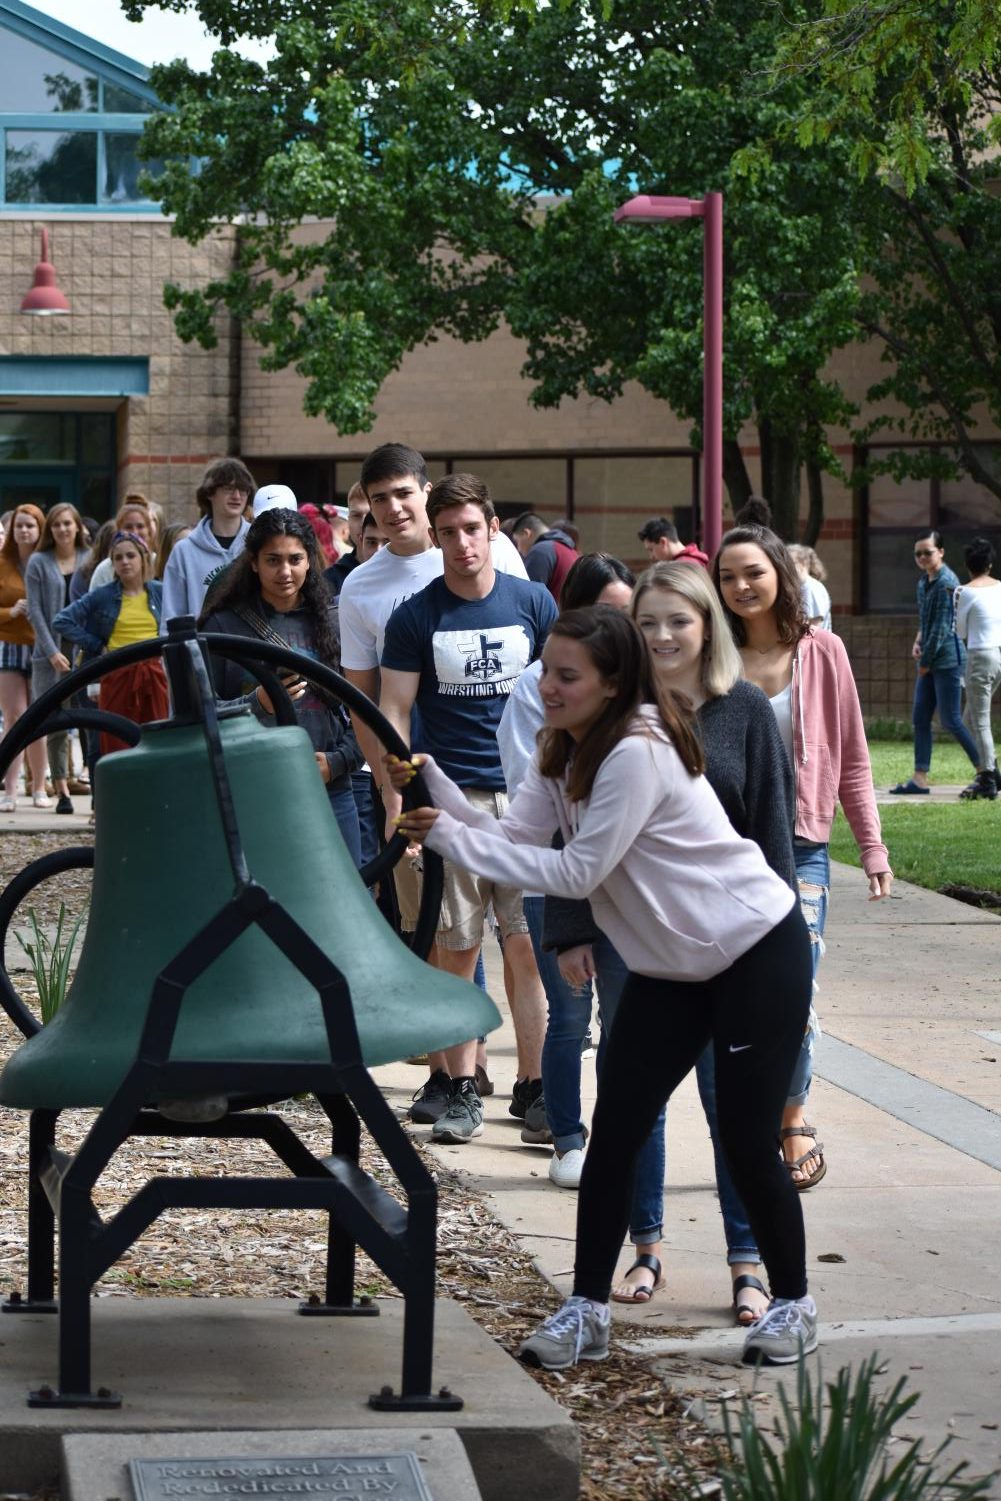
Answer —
(455, 651)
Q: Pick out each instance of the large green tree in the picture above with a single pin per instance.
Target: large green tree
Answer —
(673, 101)
(912, 90)
(887, 72)
(468, 158)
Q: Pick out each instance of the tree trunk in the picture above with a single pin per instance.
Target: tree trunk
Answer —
(780, 469)
(735, 475)
(815, 491)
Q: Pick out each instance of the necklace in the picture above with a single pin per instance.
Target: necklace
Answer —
(763, 651)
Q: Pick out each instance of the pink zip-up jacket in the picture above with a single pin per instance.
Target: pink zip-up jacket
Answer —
(831, 757)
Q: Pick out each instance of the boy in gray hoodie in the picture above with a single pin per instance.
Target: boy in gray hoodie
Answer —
(226, 490)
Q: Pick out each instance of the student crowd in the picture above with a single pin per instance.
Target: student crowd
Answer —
(634, 781)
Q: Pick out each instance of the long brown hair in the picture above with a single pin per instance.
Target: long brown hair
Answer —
(790, 617)
(47, 541)
(10, 549)
(619, 652)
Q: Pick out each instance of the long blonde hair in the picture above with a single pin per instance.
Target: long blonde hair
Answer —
(721, 664)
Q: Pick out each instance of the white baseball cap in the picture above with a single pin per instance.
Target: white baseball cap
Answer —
(274, 498)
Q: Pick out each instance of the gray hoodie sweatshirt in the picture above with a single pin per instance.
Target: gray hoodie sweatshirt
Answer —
(192, 566)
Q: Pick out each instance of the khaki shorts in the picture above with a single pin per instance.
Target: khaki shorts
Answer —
(466, 897)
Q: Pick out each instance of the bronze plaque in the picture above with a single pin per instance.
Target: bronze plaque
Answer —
(371, 1476)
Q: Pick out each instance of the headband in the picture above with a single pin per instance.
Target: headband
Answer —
(128, 537)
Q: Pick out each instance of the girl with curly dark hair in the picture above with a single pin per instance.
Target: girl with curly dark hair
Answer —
(275, 591)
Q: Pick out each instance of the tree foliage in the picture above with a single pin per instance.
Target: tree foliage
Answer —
(353, 121)
(913, 89)
(886, 72)
(667, 99)
(437, 166)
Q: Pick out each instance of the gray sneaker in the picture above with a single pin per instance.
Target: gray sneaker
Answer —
(464, 1117)
(432, 1099)
(785, 1331)
(577, 1332)
(536, 1127)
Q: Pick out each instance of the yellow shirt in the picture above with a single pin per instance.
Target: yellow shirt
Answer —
(136, 621)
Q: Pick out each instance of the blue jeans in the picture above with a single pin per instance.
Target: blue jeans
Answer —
(813, 868)
(342, 805)
(368, 828)
(569, 1018)
(942, 688)
(740, 1242)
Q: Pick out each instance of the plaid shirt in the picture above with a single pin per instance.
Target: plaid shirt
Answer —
(940, 646)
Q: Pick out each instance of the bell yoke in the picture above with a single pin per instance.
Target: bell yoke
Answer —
(205, 1005)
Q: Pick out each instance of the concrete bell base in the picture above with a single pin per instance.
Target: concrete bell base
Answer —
(226, 1365)
(97, 1468)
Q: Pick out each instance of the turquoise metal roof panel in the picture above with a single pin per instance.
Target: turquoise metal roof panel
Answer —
(85, 375)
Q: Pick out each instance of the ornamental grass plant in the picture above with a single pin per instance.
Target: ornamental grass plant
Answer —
(836, 1444)
(51, 958)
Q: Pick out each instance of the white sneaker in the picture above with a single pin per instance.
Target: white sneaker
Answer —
(565, 1171)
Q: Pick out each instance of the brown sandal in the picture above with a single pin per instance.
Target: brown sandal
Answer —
(816, 1152)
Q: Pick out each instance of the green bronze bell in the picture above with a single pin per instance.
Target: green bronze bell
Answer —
(161, 870)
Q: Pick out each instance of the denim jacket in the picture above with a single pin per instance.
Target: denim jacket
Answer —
(90, 620)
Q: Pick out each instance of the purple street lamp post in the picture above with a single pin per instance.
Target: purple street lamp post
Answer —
(648, 210)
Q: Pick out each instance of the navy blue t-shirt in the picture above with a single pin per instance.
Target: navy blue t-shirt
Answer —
(469, 653)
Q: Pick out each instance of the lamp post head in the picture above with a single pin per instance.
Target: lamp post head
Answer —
(648, 209)
(46, 296)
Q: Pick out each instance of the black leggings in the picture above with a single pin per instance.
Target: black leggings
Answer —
(755, 1013)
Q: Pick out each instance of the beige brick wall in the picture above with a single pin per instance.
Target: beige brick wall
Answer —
(879, 647)
(466, 402)
(450, 397)
(113, 272)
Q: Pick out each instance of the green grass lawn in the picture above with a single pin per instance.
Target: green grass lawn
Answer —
(933, 846)
(893, 762)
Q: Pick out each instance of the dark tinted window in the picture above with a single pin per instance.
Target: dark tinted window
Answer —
(44, 166)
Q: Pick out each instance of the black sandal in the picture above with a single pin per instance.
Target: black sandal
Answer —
(642, 1294)
(739, 1308)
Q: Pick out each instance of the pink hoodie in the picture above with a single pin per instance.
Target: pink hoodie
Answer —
(831, 760)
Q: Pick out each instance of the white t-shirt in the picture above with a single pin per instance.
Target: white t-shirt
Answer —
(104, 573)
(978, 617)
(816, 602)
(371, 593)
(782, 709)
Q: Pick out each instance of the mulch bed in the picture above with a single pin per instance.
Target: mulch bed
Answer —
(974, 896)
(638, 1440)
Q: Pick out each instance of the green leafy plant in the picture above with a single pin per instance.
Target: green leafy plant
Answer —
(842, 1453)
(50, 959)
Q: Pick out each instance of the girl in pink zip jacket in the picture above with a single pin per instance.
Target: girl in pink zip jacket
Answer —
(807, 677)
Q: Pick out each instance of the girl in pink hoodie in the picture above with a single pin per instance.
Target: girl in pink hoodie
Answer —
(808, 680)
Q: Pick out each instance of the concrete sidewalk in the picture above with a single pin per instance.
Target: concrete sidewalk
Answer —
(902, 1234)
(945, 792)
